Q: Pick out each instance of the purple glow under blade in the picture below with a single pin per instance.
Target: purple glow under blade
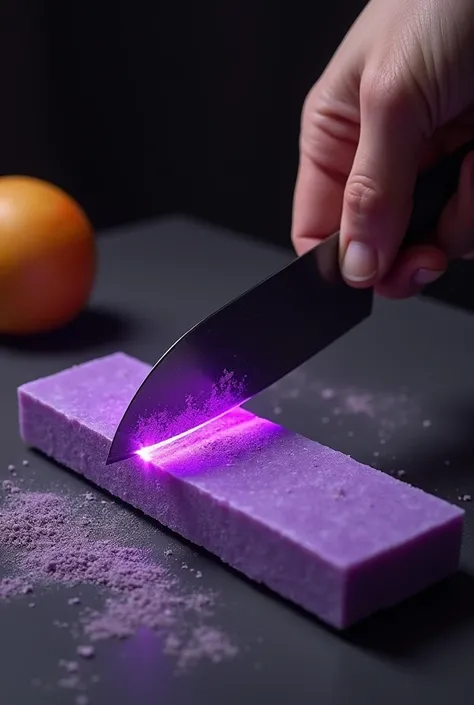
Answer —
(146, 452)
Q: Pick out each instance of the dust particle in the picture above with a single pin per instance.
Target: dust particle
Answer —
(85, 651)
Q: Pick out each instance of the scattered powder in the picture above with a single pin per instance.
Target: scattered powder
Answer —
(203, 639)
(168, 552)
(11, 587)
(466, 498)
(11, 468)
(388, 411)
(209, 400)
(69, 666)
(25, 463)
(82, 700)
(71, 682)
(9, 486)
(53, 542)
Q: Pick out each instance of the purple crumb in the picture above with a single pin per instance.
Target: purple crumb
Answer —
(25, 463)
(11, 468)
(73, 601)
(467, 498)
(72, 682)
(11, 587)
(82, 699)
(69, 666)
(85, 651)
(8, 486)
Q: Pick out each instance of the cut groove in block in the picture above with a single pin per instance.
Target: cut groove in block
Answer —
(338, 538)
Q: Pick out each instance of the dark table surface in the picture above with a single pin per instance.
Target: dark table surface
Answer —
(401, 398)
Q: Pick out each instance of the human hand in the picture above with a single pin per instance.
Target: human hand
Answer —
(397, 96)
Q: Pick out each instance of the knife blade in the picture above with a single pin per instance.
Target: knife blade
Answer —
(243, 348)
(262, 335)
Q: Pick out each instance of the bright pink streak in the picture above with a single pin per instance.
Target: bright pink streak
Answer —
(146, 453)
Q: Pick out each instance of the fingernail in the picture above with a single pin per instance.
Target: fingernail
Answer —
(427, 276)
(360, 262)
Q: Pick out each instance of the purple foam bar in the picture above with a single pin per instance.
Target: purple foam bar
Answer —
(336, 537)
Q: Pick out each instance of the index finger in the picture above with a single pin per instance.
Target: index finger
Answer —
(328, 145)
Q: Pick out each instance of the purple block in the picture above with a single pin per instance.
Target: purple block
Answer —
(336, 537)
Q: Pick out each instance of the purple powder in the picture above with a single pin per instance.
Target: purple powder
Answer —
(71, 682)
(33, 520)
(69, 666)
(8, 486)
(82, 700)
(206, 400)
(11, 587)
(387, 411)
(53, 542)
(203, 640)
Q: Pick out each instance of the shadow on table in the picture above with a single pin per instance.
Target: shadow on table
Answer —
(420, 624)
(95, 326)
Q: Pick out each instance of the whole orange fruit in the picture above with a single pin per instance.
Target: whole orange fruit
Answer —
(47, 256)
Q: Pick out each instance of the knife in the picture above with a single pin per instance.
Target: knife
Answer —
(264, 334)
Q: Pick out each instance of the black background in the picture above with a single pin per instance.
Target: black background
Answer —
(139, 108)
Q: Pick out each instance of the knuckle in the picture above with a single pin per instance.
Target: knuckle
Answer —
(318, 111)
(308, 126)
(382, 90)
(363, 197)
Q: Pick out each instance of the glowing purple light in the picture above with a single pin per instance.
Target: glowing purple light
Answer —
(146, 452)
(214, 444)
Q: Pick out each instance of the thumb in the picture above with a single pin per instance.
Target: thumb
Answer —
(378, 193)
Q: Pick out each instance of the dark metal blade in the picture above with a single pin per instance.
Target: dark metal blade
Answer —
(243, 348)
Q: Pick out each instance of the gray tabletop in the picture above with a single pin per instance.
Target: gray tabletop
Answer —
(397, 393)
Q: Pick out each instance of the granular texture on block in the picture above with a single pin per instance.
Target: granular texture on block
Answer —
(338, 538)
